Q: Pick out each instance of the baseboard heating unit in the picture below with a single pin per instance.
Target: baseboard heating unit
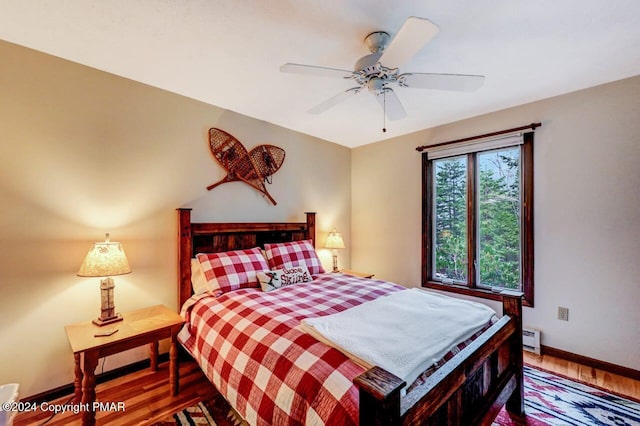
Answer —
(531, 340)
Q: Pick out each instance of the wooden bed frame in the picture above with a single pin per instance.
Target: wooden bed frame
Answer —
(470, 389)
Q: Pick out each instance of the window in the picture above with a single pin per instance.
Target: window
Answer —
(478, 217)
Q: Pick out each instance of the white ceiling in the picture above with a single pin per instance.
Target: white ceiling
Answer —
(228, 53)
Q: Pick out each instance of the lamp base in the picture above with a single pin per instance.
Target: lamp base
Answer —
(108, 313)
(105, 321)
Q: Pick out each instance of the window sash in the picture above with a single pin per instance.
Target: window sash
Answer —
(478, 218)
(434, 227)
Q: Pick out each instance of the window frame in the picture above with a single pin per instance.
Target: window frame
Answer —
(527, 249)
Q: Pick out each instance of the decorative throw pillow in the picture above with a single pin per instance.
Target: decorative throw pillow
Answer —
(232, 270)
(293, 254)
(198, 280)
(271, 280)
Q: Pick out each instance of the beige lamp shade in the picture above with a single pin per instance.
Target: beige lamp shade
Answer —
(105, 259)
(334, 240)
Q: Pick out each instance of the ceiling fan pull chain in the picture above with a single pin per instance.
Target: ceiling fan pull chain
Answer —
(384, 111)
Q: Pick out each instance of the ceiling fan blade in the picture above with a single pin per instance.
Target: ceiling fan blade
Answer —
(415, 33)
(391, 105)
(313, 70)
(456, 82)
(334, 100)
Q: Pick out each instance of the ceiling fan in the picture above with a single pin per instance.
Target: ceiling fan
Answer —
(379, 71)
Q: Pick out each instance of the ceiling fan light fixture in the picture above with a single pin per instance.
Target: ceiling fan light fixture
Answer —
(376, 85)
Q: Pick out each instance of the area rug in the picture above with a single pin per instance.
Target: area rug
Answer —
(554, 400)
(214, 412)
(550, 400)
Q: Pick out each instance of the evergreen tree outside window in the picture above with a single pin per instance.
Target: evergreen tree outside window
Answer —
(478, 219)
(450, 249)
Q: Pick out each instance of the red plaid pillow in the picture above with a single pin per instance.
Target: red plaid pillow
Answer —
(232, 270)
(293, 254)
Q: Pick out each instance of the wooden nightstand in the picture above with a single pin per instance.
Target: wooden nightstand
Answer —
(357, 274)
(141, 327)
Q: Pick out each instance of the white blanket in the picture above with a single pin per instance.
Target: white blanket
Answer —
(404, 333)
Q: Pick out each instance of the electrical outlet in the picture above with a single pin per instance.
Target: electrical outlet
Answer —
(563, 313)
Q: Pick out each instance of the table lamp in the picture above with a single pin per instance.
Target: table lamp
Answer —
(334, 242)
(105, 259)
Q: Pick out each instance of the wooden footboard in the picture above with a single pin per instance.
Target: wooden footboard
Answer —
(470, 389)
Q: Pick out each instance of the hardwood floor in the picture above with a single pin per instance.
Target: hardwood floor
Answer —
(589, 375)
(146, 394)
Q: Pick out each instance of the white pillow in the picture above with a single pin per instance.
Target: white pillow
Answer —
(198, 280)
(288, 275)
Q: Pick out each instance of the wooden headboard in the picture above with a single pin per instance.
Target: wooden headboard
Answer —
(218, 237)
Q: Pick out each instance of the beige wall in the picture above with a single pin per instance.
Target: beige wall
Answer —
(587, 199)
(82, 153)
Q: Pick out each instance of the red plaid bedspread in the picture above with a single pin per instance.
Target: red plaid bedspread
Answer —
(271, 373)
